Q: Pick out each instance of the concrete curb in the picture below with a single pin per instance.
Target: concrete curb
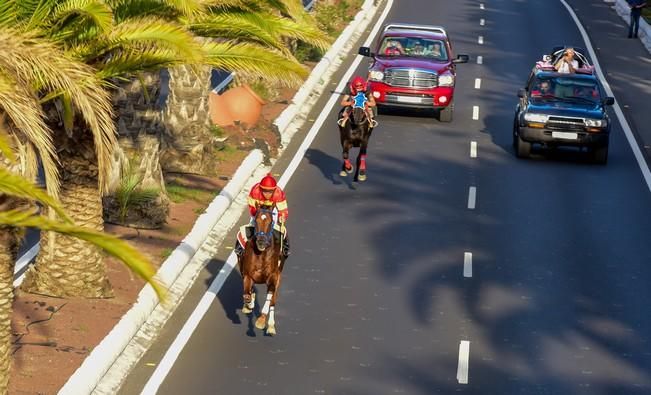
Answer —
(87, 377)
(623, 10)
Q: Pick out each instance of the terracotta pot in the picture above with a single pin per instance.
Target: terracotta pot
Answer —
(219, 112)
(243, 104)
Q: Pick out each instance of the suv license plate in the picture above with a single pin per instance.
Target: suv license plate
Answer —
(564, 135)
(409, 99)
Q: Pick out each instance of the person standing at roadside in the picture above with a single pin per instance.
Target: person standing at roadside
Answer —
(636, 11)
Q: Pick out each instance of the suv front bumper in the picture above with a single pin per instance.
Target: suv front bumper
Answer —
(567, 138)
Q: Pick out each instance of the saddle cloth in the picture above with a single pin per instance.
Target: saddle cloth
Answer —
(246, 232)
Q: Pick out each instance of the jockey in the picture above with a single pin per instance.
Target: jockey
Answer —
(350, 99)
(267, 193)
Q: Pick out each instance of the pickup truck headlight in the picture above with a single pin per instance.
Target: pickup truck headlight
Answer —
(532, 117)
(595, 123)
(446, 80)
(376, 75)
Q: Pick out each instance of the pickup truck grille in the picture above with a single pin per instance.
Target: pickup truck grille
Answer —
(563, 123)
(410, 78)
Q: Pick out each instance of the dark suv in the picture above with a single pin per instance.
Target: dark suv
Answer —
(414, 66)
(562, 109)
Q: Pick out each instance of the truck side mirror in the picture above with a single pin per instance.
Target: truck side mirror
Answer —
(609, 101)
(522, 92)
(461, 59)
(365, 51)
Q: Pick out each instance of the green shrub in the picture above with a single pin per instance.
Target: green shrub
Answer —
(129, 193)
(307, 53)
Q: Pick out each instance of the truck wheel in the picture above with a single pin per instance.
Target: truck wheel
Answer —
(522, 148)
(445, 114)
(600, 154)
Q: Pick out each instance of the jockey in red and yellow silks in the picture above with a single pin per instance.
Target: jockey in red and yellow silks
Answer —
(267, 193)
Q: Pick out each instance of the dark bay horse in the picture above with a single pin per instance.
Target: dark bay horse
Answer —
(356, 132)
(262, 263)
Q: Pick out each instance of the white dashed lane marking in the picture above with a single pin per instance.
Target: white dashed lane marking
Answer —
(462, 367)
(480, 40)
(482, 22)
(477, 83)
(472, 197)
(480, 59)
(473, 149)
(481, 6)
(475, 112)
(467, 264)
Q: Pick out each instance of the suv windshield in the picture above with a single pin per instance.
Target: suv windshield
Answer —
(413, 47)
(565, 89)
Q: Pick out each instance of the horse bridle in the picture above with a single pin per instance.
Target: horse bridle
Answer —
(265, 236)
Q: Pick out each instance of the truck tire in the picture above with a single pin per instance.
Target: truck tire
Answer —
(600, 154)
(445, 114)
(522, 148)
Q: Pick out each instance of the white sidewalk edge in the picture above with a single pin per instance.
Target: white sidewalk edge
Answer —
(86, 377)
(90, 373)
(623, 10)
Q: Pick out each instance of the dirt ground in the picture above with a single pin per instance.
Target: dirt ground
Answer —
(52, 332)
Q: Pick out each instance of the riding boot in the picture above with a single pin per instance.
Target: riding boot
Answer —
(285, 247)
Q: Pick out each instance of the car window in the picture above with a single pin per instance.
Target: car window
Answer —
(413, 47)
(564, 88)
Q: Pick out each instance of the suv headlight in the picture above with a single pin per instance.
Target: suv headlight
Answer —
(446, 80)
(532, 117)
(375, 75)
(595, 123)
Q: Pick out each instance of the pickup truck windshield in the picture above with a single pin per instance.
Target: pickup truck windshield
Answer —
(413, 47)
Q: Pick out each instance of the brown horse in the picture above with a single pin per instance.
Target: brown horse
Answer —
(262, 263)
(356, 132)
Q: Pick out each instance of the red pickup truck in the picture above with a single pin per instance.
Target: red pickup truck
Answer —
(414, 66)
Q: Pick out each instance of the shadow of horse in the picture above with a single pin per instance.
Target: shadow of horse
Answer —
(262, 263)
(356, 132)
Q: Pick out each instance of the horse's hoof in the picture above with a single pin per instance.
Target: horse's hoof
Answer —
(271, 331)
(261, 322)
(246, 310)
(350, 170)
(361, 177)
(343, 173)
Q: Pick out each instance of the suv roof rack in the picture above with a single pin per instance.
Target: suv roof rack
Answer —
(408, 26)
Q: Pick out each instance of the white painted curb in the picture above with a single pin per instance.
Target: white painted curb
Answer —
(623, 10)
(86, 377)
(89, 374)
(316, 82)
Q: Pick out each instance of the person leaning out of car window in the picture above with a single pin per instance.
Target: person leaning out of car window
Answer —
(566, 63)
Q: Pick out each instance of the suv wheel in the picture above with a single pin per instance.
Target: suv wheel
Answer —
(600, 154)
(445, 114)
(522, 148)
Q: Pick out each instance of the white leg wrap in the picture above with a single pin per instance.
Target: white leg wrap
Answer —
(267, 304)
(271, 322)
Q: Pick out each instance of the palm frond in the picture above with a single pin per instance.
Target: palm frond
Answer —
(132, 62)
(78, 18)
(254, 60)
(50, 69)
(114, 246)
(24, 111)
(5, 149)
(237, 26)
(17, 186)
(8, 13)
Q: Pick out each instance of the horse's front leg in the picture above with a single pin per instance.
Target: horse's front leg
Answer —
(346, 167)
(249, 295)
(261, 322)
(361, 160)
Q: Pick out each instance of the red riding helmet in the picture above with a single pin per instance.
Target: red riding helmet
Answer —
(268, 183)
(356, 82)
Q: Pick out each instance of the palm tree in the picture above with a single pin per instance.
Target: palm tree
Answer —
(33, 71)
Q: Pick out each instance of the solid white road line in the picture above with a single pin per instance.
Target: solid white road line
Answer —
(473, 149)
(191, 324)
(462, 367)
(480, 59)
(482, 22)
(618, 110)
(480, 39)
(475, 112)
(467, 264)
(477, 83)
(472, 197)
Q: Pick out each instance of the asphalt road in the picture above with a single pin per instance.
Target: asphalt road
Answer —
(374, 298)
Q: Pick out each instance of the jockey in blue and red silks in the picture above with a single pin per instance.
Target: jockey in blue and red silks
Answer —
(268, 194)
(357, 95)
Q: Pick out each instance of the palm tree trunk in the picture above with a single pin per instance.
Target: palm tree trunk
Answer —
(9, 240)
(68, 267)
(188, 143)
